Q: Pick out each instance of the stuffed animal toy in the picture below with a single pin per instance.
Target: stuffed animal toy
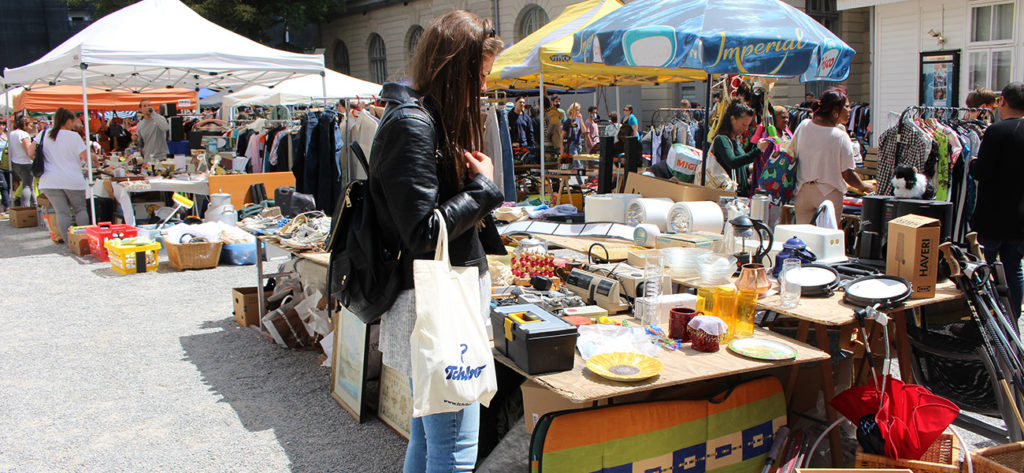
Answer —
(907, 183)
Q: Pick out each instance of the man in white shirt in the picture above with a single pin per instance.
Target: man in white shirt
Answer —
(152, 130)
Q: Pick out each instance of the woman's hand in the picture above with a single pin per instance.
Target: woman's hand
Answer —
(867, 188)
(763, 144)
(479, 163)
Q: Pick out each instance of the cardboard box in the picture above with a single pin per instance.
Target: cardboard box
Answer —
(684, 240)
(22, 217)
(246, 306)
(651, 187)
(538, 400)
(913, 252)
(78, 243)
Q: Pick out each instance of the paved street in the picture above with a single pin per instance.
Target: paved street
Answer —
(149, 373)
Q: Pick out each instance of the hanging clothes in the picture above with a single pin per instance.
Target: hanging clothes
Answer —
(910, 147)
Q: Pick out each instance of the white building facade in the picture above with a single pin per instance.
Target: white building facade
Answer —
(987, 36)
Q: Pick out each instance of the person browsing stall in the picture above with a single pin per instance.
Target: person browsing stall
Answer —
(734, 157)
(426, 157)
(152, 129)
(22, 152)
(630, 123)
(591, 134)
(999, 214)
(520, 125)
(826, 154)
(62, 182)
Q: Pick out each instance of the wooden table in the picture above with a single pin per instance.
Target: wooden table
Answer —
(825, 312)
(684, 366)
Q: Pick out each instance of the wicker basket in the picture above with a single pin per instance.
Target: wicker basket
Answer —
(942, 457)
(1007, 458)
(201, 255)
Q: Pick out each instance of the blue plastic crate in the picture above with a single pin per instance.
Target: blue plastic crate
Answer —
(238, 254)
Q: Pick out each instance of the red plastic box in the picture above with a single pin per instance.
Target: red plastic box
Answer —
(104, 231)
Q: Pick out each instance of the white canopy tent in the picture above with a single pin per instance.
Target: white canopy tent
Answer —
(169, 46)
(298, 91)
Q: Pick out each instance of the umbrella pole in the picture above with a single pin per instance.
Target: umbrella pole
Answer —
(88, 145)
(707, 128)
(542, 136)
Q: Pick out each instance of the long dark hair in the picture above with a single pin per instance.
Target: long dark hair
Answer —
(19, 122)
(446, 70)
(61, 117)
(736, 110)
(831, 104)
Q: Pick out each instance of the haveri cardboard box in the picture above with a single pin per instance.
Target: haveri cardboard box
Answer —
(913, 253)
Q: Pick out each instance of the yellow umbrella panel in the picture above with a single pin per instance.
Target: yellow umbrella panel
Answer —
(546, 52)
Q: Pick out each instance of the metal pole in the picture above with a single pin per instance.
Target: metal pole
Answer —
(543, 110)
(707, 129)
(88, 145)
(10, 163)
(617, 105)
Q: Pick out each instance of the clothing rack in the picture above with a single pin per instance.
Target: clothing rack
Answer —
(696, 113)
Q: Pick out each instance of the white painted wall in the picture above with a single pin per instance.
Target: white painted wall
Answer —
(901, 34)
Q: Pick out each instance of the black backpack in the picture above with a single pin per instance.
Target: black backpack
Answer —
(361, 274)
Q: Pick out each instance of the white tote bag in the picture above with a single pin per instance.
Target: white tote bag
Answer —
(452, 364)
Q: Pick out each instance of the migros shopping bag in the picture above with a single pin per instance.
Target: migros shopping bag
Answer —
(452, 364)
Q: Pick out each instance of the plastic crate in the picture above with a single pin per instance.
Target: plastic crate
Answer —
(132, 259)
(103, 231)
(238, 254)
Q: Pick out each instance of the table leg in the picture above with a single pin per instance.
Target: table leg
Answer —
(902, 347)
(260, 299)
(828, 388)
(794, 371)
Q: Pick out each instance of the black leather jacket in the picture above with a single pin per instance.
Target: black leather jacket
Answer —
(405, 189)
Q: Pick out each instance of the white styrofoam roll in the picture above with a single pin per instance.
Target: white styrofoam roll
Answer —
(688, 217)
(607, 207)
(646, 235)
(653, 211)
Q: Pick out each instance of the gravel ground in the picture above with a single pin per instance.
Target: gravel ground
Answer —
(149, 372)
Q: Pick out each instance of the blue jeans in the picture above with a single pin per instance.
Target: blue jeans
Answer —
(443, 443)
(1010, 253)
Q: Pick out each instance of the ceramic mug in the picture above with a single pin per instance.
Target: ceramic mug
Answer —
(678, 321)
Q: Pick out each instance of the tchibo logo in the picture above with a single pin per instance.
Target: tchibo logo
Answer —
(463, 373)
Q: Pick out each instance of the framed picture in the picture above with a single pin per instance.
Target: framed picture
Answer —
(940, 79)
(395, 407)
(348, 362)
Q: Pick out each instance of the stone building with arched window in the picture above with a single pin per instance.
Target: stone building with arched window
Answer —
(381, 36)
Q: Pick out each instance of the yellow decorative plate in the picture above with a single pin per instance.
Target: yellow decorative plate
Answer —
(624, 366)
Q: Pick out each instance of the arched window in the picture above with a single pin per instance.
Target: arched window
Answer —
(531, 18)
(378, 59)
(341, 57)
(413, 39)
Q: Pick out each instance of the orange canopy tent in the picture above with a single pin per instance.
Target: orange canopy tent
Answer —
(47, 99)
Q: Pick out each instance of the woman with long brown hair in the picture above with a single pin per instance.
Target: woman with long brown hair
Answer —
(62, 181)
(426, 156)
(826, 155)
